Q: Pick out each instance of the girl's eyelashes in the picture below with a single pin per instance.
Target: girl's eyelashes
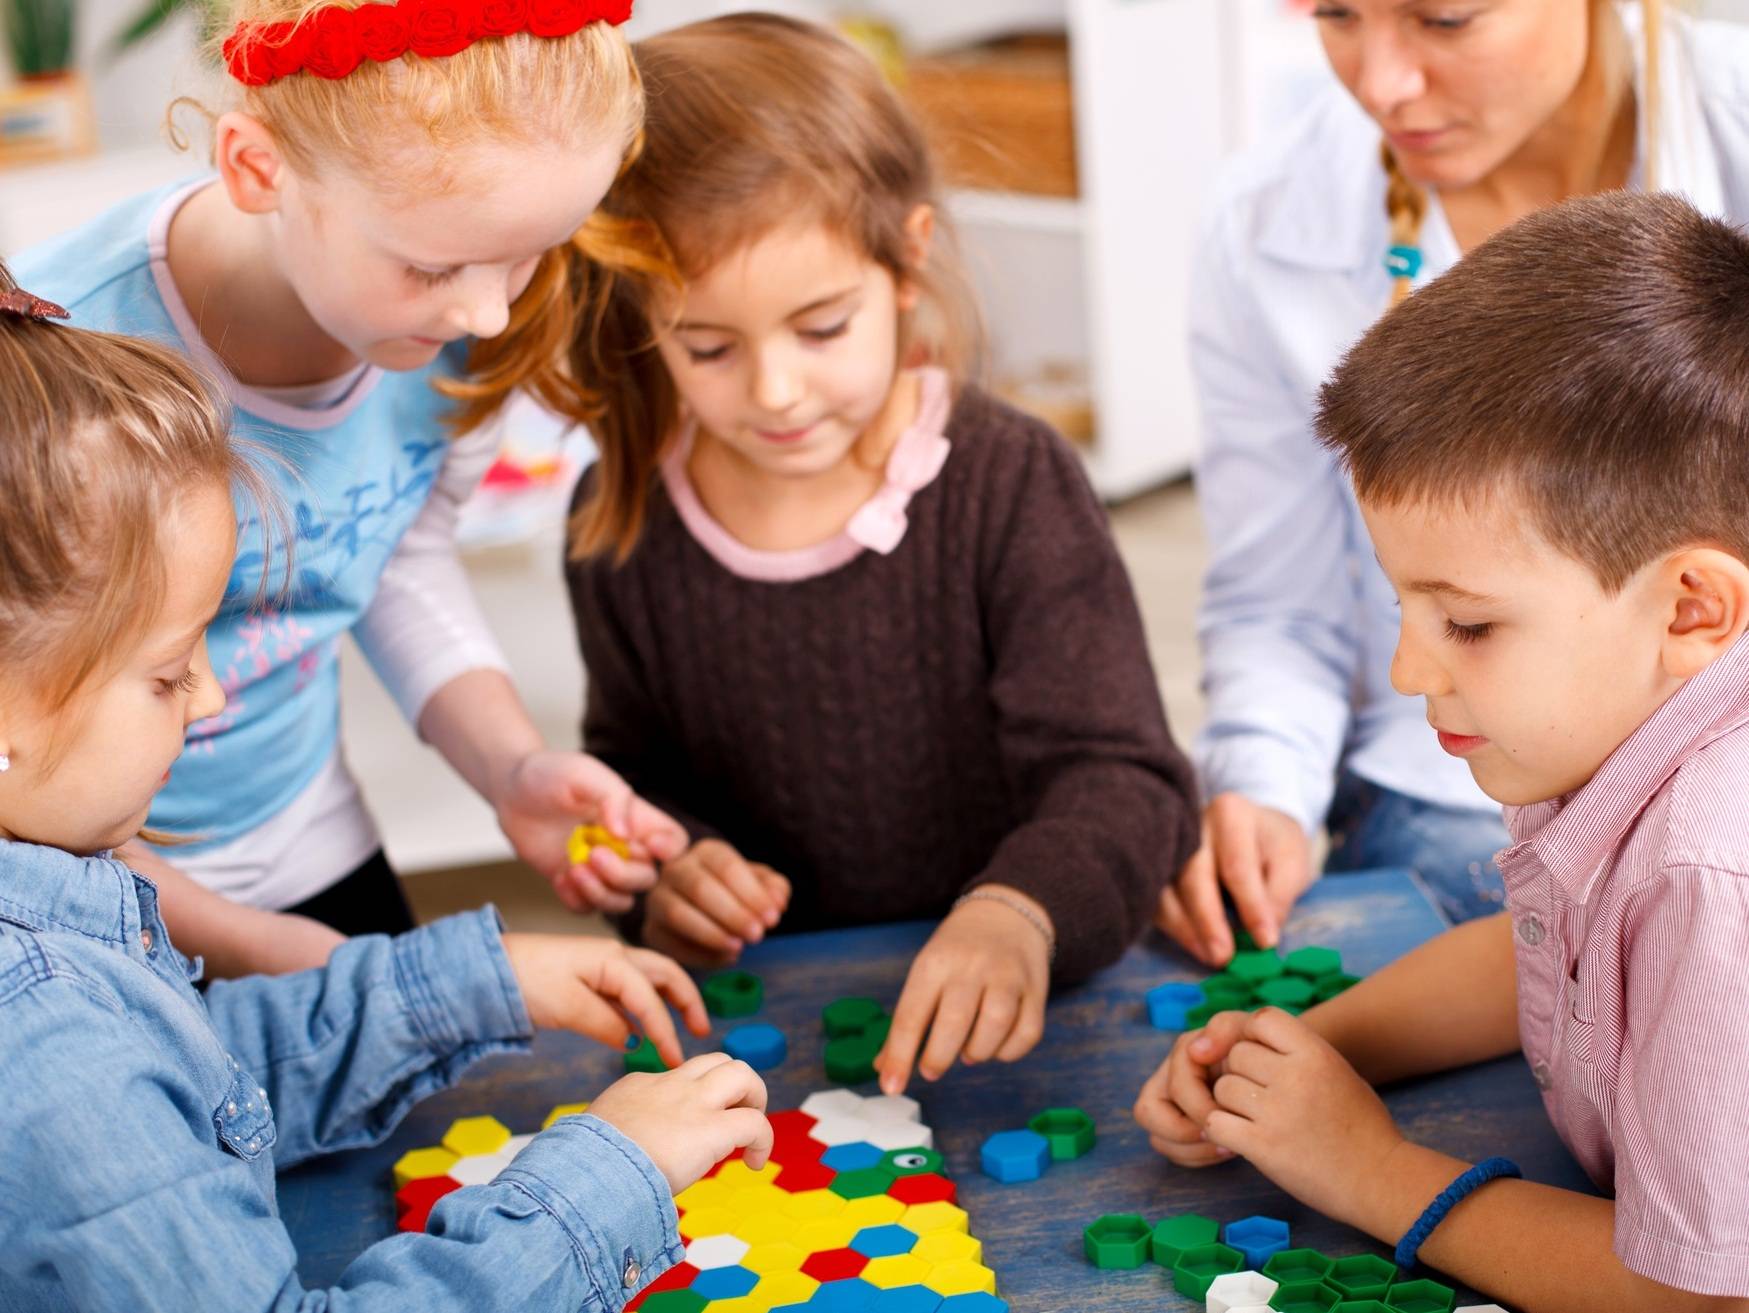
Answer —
(705, 357)
(431, 277)
(827, 334)
(1466, 633)
(186, 682)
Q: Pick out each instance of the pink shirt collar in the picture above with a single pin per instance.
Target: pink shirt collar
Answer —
(878, 526)
(1575, 836)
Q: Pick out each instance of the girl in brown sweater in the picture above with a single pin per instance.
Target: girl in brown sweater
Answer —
(857, 625)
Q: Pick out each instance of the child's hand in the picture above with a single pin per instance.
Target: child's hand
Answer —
(1174, 1104)
(983, 978)
(1290, 1104)
(589, 984)
(711, 902)
(689, 1119)
(549, 794)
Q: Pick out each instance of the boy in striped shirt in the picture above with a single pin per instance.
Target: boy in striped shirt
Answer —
(1550, 445)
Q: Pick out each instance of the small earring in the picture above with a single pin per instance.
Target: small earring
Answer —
(5, 763)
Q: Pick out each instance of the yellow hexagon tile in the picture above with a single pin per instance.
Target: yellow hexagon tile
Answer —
(810, 1204)
(738, 1175)
(949, 1247)
(938, 1216)
(766, 1228)
(774, 1256)
(780, 1289)
(961, 1279)
(700, 1222)
(745, 1304)
(874, 1210)
(755, 1199)
(825, 1233)
(708, 1193)
(473, 1136)
(421, 1163)
(896, 1270)
(564, 1110)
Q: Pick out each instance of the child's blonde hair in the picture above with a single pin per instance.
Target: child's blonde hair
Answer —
(1406, 202)
(103, 434)
(754, 121)
(520, 88)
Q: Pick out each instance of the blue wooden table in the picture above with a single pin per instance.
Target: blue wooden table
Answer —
(1098, 1050)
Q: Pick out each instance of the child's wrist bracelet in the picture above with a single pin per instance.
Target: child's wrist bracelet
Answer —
(1448, 1199)
(1013, 905)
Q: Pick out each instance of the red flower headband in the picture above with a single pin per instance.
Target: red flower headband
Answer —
(332, 41)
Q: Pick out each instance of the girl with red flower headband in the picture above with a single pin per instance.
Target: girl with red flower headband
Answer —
(388, 187)
(858, 624)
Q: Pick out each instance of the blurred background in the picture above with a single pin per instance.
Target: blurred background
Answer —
(1080, 139)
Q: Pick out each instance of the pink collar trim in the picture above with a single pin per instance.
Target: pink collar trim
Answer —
(241, 395)
(878, 526)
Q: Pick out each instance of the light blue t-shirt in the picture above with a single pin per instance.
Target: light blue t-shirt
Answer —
(352, 476)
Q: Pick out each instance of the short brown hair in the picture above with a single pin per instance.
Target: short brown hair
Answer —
(101, 435)
(754, 120)
(1592, 359)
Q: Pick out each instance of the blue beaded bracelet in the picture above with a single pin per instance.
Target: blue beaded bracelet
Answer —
(1448, 1199)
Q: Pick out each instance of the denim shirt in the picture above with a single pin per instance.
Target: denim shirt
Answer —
(141, 1124)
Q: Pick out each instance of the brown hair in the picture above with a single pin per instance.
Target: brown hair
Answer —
(753, 119)
(1591, 361)
(103, 434)
(1406, 202)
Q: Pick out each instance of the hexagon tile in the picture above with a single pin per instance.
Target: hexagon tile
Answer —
(854, 1212)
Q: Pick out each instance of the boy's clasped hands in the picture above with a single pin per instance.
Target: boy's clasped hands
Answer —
(976, 991)
(1266, 1086)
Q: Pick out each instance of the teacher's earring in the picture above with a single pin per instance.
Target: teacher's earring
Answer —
(5, 763)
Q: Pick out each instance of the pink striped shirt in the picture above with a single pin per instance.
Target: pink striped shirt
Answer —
(1630, 908)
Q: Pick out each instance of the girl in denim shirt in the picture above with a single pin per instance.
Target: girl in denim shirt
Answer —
(143, 1123)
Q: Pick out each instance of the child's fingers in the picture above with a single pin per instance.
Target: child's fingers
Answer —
(745, 908)
(1199, 888)
(1187, 1086)
(673, 984)
(777, 888)
(1174, 922)
(685, 920)
(1028, 1030)
(1232, 1133)
(626, 984)
(1254, 1061)
(1239, 1095)
(910, 1019)
(617, 873)
(1281, 1031)
(597, 895)
(1234, 832)
(733, 1084)
(752, 1134)
(1216, 1039)
(998, 1011)
(654, 831)
(1199, 1154)
(1161, 1118)
(947, 1033)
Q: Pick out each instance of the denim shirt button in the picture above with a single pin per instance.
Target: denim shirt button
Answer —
(231, 1108)
(146, 939)
(632, 1273)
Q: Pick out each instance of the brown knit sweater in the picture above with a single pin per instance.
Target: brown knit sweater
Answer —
(977, 707)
